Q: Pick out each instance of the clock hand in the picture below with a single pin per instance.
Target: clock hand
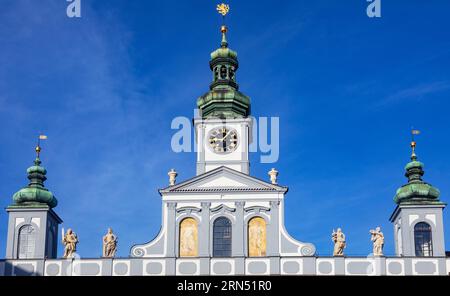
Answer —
(226, 135)
(222, 138)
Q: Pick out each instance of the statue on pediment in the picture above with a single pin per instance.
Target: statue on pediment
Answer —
(377, 237)
(70, 241)
(109, 244)
(338, 237)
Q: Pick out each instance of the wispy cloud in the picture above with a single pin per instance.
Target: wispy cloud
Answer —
(417, 92)
(109, 129)
(273, 37)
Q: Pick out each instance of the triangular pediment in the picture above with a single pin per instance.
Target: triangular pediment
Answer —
(223, 179)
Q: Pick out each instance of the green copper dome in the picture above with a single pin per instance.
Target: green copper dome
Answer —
(224, 53)
(416, 191)
(414, 164)
(35, 194)
(224, 100)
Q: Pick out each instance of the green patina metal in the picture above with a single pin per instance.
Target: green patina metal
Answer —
(224, 100)
(35, 194)
(416, 191)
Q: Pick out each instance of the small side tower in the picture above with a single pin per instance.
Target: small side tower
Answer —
(33, 225)
(417, 219)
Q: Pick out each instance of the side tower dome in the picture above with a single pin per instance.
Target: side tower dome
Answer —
(417, 219)
(32, 224)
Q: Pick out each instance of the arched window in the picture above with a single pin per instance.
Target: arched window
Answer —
(188, 238)
(422, 239)
(257, 237)
(223, 72)
(216, 73)
(222, 237)
(27, 242)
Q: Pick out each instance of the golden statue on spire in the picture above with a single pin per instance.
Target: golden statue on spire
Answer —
(223, 9)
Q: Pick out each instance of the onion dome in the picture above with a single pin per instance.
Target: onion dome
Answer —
(35, 194)
(224, 100)
(416, 191)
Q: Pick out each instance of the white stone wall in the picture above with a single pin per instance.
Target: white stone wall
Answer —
(371, 266)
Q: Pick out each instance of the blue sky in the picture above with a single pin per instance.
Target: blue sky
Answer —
(105, 88)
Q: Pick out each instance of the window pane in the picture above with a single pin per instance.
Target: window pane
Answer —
(222, 237)
(422, 240)
(27, 242)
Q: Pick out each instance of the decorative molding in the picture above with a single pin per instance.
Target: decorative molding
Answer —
(221, 189)
(274, 204)
(240, 204)
(171, 205)
(257, 209)
(205, 205)
(222, 208)
(138, 252)
(188, 210)
(308, 250)
(252, 184)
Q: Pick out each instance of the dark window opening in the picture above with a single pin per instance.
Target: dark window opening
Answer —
(423, 240)
(222, 237)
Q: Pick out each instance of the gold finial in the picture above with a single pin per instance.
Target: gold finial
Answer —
(414, 144)
(38, 150)
(223, 29)
(223, 9)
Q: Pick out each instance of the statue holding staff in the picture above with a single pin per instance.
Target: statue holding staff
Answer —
(377, 237)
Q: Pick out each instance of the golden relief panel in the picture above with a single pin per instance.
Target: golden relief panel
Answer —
(257, 237)
(188, 238)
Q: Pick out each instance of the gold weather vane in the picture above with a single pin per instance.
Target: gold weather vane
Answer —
(223, 9)
(413, 143)
(38, 147)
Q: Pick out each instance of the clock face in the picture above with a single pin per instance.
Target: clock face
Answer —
(223, 139)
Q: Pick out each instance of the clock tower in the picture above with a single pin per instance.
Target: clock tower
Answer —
(223, 130)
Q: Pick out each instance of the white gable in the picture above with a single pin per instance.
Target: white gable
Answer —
(223, 181)
(223, 178)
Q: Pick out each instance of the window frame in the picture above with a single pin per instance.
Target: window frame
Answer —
(423, 239)
(29, 239)
(226, 243)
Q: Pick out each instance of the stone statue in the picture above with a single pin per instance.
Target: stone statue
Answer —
(273, 173)
(377, 237)
(172, 177)
(338, 237)
(109, 244)
(70, 241)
